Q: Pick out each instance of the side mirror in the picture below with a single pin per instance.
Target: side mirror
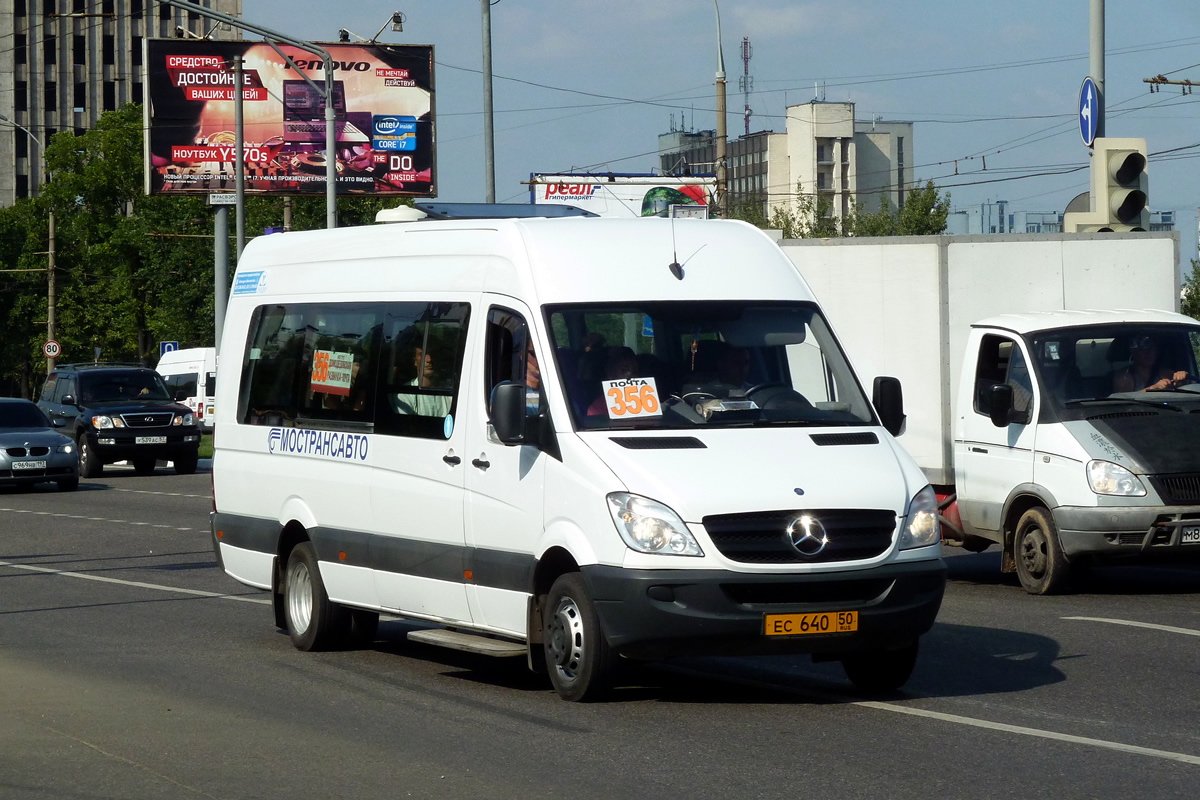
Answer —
(181, 395)
(508, 412)
(1000, 404)
(888, 399)
(68, 400)
(58, 422)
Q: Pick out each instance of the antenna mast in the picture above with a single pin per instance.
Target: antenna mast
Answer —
(746, 84)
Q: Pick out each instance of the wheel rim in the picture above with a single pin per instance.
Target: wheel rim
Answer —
(1033, 551)
(565, 641)
(299, 597)
(83, 456)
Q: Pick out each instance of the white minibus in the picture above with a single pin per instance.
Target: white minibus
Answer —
(577, 440)
(191, 375)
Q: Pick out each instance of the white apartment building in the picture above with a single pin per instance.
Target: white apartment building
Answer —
(68, 61)
(824, 151)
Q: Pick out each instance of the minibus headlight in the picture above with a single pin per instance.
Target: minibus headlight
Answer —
(648, 526)
(1106, 477)
(921, 527)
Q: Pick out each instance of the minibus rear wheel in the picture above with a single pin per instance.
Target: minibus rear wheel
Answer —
(314, 622)
(578, 657)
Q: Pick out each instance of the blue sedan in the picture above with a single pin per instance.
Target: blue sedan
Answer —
(32, 451)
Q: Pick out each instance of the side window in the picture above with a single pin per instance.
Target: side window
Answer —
(48, 390)
(210, 384)
(66, 386)
(310, 363)
(511, 358)
(1001, 361)
(423, 346)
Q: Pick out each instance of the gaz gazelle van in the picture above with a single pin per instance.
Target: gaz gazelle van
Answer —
(577, 440)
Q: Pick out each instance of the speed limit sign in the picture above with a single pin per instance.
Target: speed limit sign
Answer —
(51, 349)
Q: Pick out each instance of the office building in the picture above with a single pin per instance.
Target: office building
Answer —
(71, 60)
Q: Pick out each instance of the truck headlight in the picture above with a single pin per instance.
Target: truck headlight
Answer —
(1106, 477)
(921, 527)
(648, 526)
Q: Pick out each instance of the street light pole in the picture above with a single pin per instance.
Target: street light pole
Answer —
(722, 184)
(489, 152)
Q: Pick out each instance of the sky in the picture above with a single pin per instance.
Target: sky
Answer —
(589, 84)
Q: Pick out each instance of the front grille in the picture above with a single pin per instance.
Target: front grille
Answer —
(1178, 489)
(835, 439)
(21, 452)
(148, 419)
(659, 442)
(761, 537)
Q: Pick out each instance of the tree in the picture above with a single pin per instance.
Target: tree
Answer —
(924, 212)
(1190, 303)
(811, 216)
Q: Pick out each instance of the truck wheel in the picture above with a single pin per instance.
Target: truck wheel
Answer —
(1041, 565)
(578, 657)
(186, 465)
(144, 466)
(880, 671)
(314, 623)
(90, 465)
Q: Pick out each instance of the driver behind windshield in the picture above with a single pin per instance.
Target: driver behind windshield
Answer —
(1148, 370)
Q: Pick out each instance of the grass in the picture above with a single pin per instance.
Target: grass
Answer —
(206, 446)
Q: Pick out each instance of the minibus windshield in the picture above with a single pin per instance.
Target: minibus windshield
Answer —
(671, 365)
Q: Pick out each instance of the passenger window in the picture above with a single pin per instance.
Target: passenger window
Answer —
(317, 365)
(424, 346)
(511, 358)
(66, 386)
(1001, 361)
(48, 390)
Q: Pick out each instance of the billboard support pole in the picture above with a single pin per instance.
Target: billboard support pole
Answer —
(327, 60)
(239, 167)
(220, 270)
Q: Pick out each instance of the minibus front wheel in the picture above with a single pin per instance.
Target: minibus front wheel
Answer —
(578, 656)
(314, 622)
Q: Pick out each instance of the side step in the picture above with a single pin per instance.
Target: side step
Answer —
(471, 643)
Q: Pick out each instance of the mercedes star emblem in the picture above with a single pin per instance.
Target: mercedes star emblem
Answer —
(807, 535)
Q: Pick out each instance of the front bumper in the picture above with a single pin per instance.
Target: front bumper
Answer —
(660, 613)
(117, 444)
(1126, 531)
(59, 466)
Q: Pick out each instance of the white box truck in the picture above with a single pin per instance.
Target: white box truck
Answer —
(1061, 434)
(191, 375)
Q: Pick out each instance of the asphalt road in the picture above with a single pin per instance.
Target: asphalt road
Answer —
(131, 667)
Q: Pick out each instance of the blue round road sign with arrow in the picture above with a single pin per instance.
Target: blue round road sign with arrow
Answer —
(1089, 111)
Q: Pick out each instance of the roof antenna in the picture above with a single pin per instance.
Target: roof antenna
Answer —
(675, 267)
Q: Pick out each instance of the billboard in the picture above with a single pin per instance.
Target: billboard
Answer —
(383, 106)
(622, 195)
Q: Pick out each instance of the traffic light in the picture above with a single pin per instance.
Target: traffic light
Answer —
(1120, 189)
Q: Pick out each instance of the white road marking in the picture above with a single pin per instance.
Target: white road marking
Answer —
(138, 584)
(1132, 624)
(166, 494)
(1023, 731)
(94, 519)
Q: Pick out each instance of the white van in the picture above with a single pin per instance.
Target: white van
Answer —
(191, 375)
(571, 439)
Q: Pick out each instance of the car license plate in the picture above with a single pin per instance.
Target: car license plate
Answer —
(150, 440)
(20, 465)
(798, 624)
(1191, 535)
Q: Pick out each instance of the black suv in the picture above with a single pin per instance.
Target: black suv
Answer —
(120, 413)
